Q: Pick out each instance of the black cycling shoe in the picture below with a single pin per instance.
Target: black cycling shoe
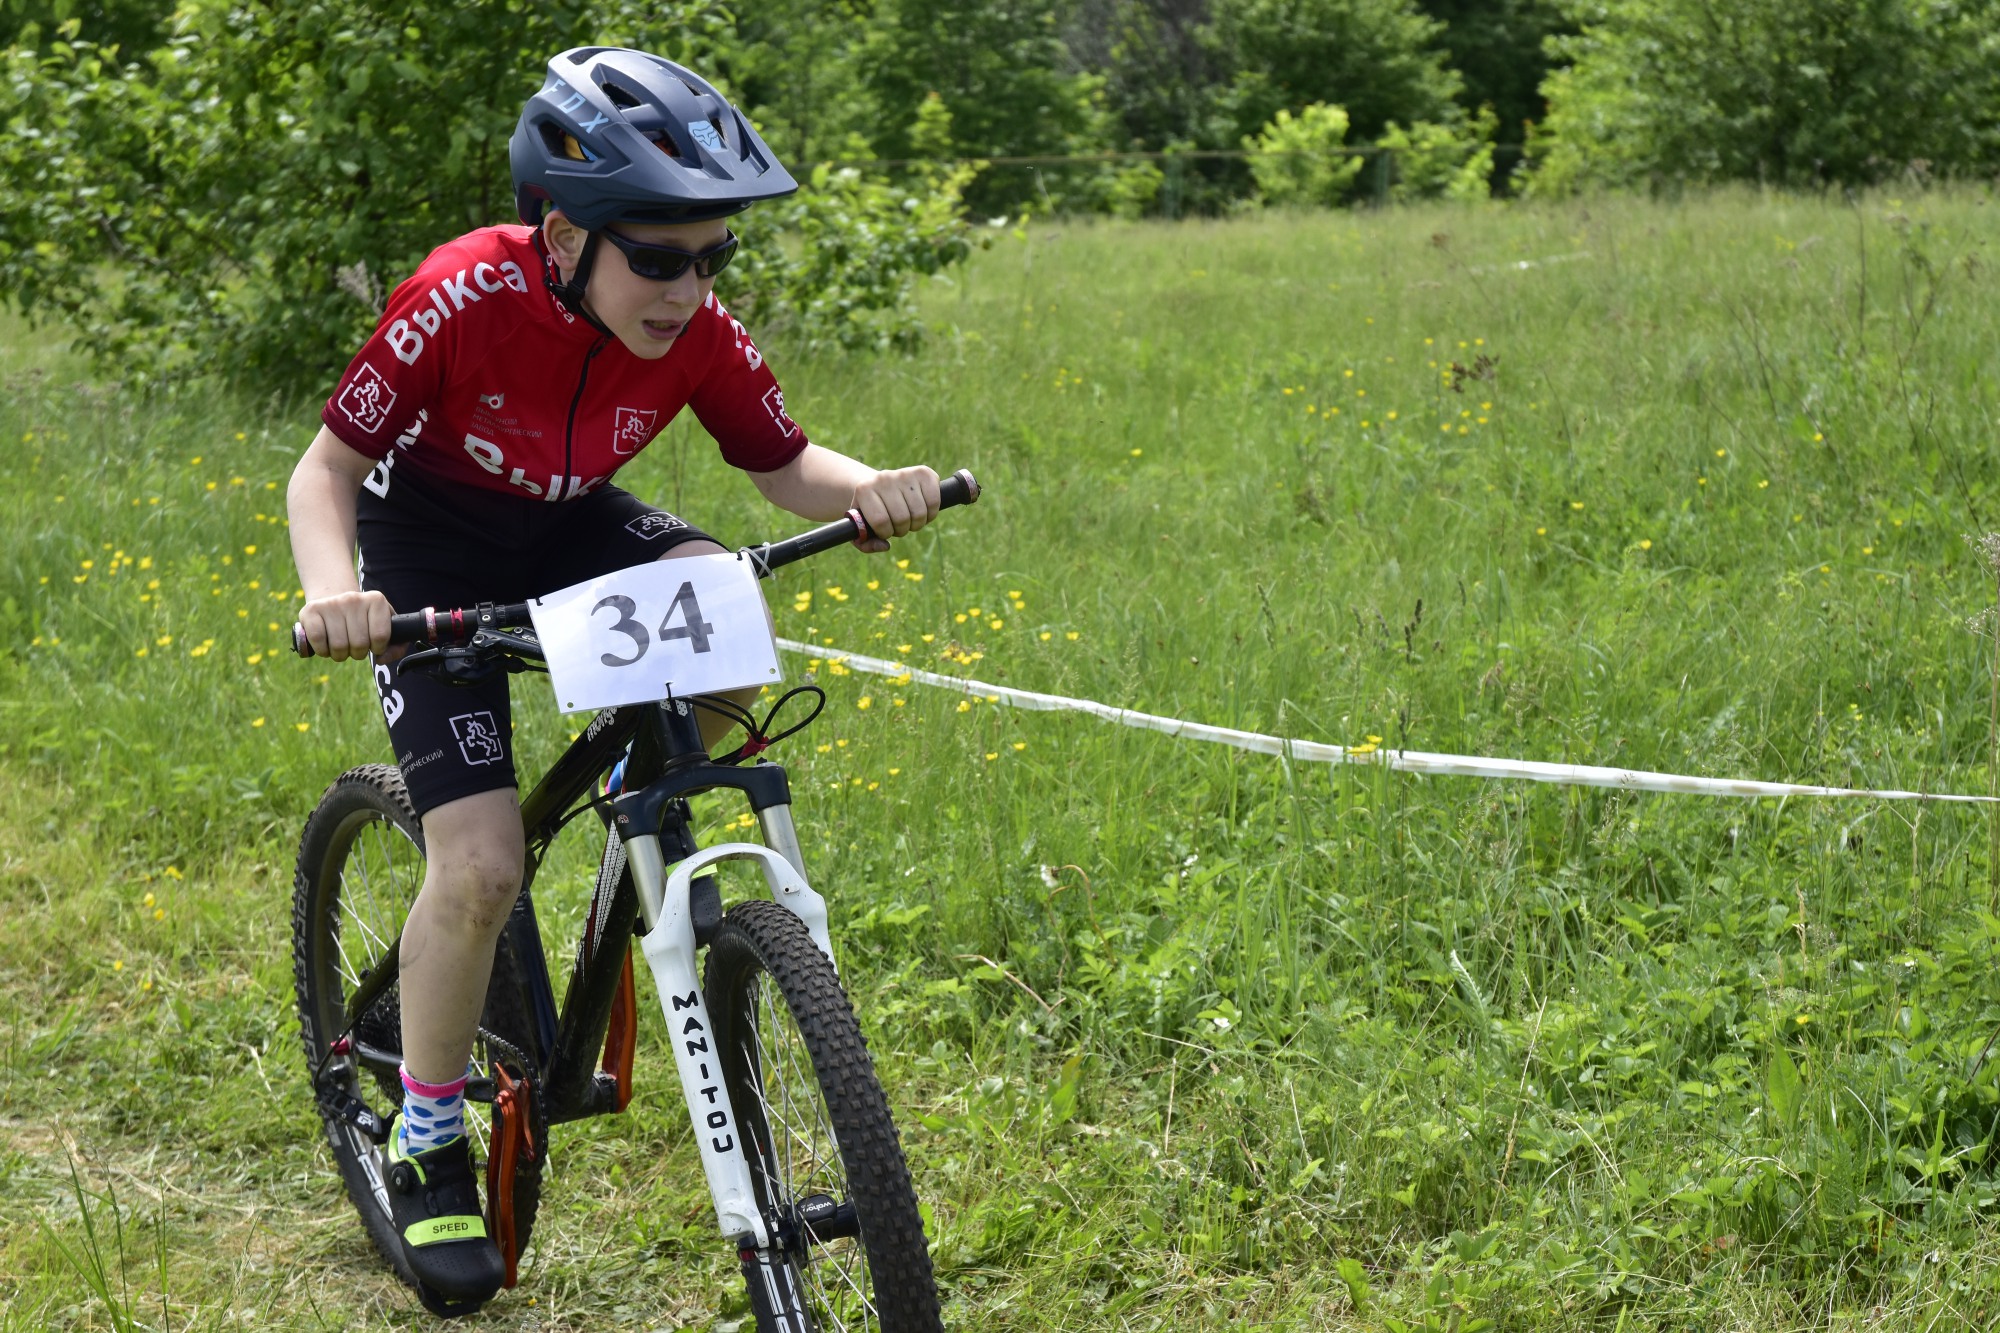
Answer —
(435, 1202)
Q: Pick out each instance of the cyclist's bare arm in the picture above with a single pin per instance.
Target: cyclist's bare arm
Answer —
(339, 619)
(822, 484)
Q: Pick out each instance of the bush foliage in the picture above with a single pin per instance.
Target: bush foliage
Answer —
(268, 165)
(235, 172)
(1784, 92)
(845, 279)
(1448, 161)
(1304, 159)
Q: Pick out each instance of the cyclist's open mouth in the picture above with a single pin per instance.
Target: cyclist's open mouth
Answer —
(664, 330)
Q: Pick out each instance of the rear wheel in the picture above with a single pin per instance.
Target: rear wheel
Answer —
(361, 862)
(823, 1152)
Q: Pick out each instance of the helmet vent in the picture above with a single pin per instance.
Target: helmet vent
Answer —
(620, 96)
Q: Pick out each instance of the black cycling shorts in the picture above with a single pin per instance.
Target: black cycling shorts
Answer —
(420, 549)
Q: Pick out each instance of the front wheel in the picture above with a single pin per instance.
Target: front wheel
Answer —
(827, 1166)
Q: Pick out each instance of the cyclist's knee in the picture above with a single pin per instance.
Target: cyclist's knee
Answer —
(476, 854)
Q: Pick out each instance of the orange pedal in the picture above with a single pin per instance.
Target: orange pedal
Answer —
(512, 1141)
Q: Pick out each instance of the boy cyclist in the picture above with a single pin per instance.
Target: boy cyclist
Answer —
(467, 454)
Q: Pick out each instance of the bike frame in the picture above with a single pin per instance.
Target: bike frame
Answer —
(651, 883)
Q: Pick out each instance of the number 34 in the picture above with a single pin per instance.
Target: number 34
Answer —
(693, 628)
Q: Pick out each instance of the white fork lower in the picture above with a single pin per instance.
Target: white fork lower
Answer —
(669, 949)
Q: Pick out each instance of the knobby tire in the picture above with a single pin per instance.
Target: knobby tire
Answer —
(813, 1121)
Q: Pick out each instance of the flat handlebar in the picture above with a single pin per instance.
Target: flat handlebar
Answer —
(431, 625)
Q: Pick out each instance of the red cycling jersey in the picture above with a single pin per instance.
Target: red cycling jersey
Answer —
(478, 376)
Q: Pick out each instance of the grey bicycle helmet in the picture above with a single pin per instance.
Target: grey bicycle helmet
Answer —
(618, 135)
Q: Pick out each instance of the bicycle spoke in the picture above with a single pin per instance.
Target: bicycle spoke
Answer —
(803, 1151)
(360, 857)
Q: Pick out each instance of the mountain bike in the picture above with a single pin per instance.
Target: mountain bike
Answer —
(796, 1139)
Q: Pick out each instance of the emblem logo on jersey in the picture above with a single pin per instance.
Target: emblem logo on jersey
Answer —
(774, 403)
(367, 399)
(706, 135)
(478, 738)
(630, 430)
(654, 525)
(493, 402)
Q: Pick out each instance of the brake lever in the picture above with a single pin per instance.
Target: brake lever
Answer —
(478, 658)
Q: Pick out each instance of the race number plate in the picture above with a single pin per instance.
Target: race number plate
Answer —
(666, 628)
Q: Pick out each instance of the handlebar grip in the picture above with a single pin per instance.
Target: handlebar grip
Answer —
(960, 488)
(404, 627)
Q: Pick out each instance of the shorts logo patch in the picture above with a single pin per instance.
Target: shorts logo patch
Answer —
(655, 524)
(367, 399)
(630, 430)
(478, 738)
(774, 403)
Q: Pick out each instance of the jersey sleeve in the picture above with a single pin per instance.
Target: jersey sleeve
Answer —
(737, 398)
(402, 366)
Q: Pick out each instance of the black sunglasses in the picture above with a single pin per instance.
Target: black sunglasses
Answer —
(663, 264)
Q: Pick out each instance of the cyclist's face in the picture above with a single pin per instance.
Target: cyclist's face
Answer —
(644, 314)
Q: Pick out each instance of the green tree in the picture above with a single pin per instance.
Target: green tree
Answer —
(1161, 68)
(269, 164)
(1376, 58)
(999, 67)
(239, 199)
(1790, 92)
(1499, 48)
(794, 65)
(131, 25)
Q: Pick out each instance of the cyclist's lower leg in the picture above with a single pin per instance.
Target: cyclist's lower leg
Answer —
(472, 874)
(474, 855)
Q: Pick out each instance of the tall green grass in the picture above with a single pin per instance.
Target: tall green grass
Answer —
(1180, 1037)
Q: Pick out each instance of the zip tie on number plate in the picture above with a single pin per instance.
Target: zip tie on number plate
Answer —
(1402, 761)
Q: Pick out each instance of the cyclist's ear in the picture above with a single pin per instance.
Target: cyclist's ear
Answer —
(564, 238)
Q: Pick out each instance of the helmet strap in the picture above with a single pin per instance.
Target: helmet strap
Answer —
(571, 293)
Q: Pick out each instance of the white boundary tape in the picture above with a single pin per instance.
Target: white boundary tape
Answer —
(1403, 761)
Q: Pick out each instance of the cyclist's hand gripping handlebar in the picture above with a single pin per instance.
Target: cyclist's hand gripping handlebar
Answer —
(431, 625)
(960, 488)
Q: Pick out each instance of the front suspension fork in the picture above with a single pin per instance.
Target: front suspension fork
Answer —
(668, 945)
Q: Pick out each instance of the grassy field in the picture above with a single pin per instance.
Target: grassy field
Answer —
(1181, 1038)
